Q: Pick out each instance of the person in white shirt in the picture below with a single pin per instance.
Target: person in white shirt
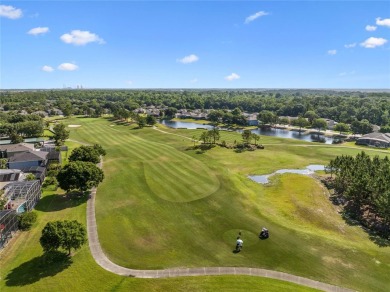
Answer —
(239, 243)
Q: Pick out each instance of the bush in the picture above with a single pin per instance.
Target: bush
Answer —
(26, 220)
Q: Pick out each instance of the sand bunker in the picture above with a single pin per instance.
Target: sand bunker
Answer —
(74, 126)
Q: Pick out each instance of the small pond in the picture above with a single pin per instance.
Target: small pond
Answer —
(185, 125)
(281, 133)
(263, 179)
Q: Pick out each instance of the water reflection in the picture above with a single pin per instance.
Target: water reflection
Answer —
(281, 133)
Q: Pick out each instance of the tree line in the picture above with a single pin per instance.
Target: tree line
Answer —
(344, 107)
(362, 185)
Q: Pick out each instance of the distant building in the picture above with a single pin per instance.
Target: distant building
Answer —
(381, 140)
(252, 120)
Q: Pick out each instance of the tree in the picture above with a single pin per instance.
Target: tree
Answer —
(16, 138)
(267, 117)
(205, 137)
(341, 127)
(3, 163)
(79, 175)
(284, 121)
(30, 176)
(214, 134)
(151, 120)
(99, 149)
(26, 220)
(141, 121)
(74, 235)
(246, 136)
(301, 122)
(60, 134)
(65, 234)
(255, 137)
(311, 116)
(170, 112)
(50, 239)
(319, 124)
(85, 153)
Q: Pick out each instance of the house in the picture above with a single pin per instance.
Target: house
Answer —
(252, 120)
(330, 123)
(381, 140)
(12, 149)
(27, 159)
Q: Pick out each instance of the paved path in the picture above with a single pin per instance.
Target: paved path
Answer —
(108, 265)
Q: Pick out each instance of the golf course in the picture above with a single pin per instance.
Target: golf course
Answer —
(166, 205)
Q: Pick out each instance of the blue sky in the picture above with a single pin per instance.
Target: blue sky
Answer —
(188, 44)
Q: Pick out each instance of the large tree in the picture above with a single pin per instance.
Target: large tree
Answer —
(319, 124)
(301, 122)
(341, 127)
(60, 134)
(85, 153)
(65, 234)
(79, 175)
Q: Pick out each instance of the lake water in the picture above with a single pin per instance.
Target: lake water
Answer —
(264, 179)
(185, 125)
(266, 132)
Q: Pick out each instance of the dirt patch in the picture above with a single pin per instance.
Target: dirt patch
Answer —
(74, 126)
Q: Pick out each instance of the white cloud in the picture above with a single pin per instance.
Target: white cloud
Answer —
(47, 68)
(332, 52)
(38, 30)
(370, 28)
(383, 22)
(129, 82)
(195, 80)
(81, 38)
(254, 16)
(348, 46)
(347, 73)
(188, 59)
(372, 42)
(67, 67)
(10, 12)
(232, 77)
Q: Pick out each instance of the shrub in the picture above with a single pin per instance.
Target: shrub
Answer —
(26, 220)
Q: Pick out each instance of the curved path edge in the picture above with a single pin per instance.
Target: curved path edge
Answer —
(103, 261)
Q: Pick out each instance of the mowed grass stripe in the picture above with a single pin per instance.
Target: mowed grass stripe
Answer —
(187, 174)
(175, 185)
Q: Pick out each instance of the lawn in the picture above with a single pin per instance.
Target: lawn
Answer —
(23, 267)
(151, 215)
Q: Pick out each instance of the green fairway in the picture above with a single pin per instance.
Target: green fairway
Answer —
(163, 206)
(23, 268)
(152, 221)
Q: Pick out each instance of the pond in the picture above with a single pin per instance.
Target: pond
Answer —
(263, 179)
(185, 125)
(281, 133)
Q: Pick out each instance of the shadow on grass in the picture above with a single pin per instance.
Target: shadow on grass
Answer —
(38, 268)
(56, 202)
(377, 238)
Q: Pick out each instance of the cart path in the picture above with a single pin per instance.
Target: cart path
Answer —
(103, 261)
